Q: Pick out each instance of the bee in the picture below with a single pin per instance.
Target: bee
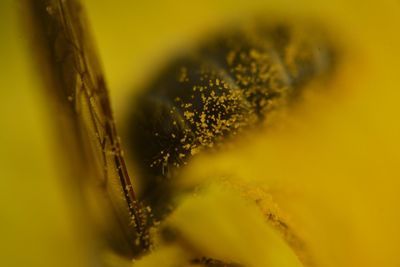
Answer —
(231, 83)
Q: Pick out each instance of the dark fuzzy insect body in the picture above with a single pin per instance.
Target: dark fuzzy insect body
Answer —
(233, 82)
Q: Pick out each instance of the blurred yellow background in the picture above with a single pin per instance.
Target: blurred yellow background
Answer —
(340, 158)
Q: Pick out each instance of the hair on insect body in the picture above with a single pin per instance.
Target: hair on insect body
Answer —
(232, 82)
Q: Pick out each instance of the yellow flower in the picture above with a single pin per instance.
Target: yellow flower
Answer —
(321, 190)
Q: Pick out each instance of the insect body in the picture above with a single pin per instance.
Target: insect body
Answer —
(234, 81)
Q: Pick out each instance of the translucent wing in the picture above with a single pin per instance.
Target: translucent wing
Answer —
(76, 85)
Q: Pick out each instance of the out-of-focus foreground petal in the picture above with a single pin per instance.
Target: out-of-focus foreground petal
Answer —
(219, 224)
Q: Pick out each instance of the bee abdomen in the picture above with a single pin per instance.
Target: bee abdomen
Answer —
(229, 84)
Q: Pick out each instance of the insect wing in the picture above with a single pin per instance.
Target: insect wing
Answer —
(76, 85)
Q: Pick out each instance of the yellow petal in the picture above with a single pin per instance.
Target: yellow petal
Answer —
(221, 225)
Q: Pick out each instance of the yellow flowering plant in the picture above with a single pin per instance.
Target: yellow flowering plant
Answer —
(316, 187)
